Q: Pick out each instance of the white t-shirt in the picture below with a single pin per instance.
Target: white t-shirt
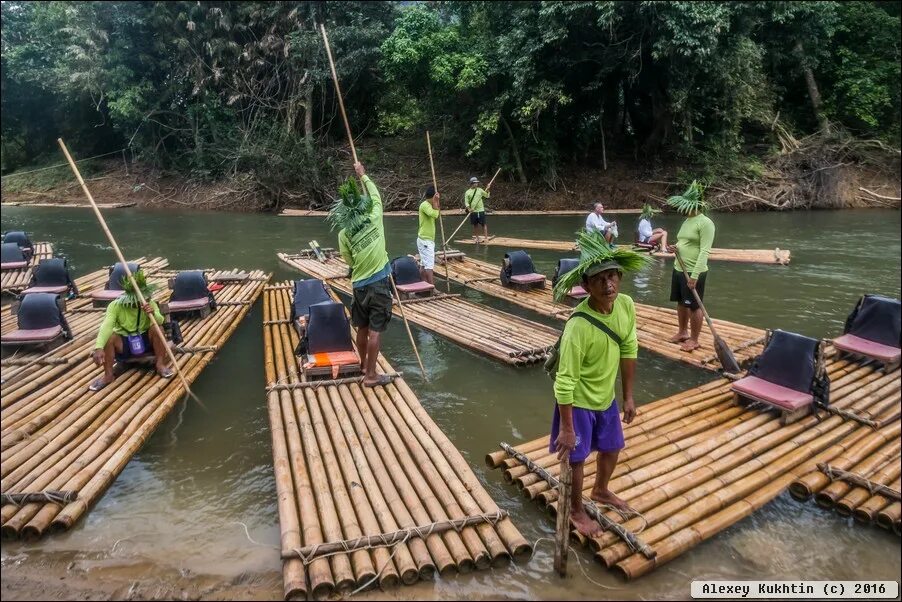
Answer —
(645, 229)
(596, 222)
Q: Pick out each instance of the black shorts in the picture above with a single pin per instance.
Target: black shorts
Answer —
(371, 307)
(477, 219)
(679, 290)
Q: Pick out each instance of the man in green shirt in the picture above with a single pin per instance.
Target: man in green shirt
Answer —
(126, 333)
(361, 242)
(474, 204)
(694, 242)
(428, 213)
(598, 339)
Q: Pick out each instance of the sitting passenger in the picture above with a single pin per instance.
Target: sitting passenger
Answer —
(646, 234)
(126, 332)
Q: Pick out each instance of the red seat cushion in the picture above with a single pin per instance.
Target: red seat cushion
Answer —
(13, 265)
(38, 335)
(527, 278)
(106, 295)
(760, 389)
(46, 289)
(878, 351)
(578, 292)
(189, 304)
(415, 287)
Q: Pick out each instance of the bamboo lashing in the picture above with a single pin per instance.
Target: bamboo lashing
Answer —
(441, 220)
(128, 273)
(15, 281)
(838, 474)
(353, 463)
(315, 384)
(49, 495)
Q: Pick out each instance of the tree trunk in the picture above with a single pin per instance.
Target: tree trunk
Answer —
(308, 121)
(813, 92)
(604, 150)
(515, 150)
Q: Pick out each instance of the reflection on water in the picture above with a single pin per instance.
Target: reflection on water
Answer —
(183, 503)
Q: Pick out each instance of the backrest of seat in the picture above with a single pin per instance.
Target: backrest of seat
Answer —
(405, 270)
(51, 272)
(306, 293)
(789, 360)
(17, 237)
(564, 266)
(38, 310)
(117, 273)
(877, 319)
(189, 286)
(519, 263)
(328, 329)
(10, 252)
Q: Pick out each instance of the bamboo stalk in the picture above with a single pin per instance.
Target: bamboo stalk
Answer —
(441, 220)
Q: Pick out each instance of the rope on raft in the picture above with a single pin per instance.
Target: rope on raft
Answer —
(308, 554)
(316, 384)
(37, 497)
(838, 474)
(50, 361)
(630, 538)
(852, 416)
(430, 298)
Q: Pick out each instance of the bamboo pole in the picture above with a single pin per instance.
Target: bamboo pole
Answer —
(562, 530)
(441, 220)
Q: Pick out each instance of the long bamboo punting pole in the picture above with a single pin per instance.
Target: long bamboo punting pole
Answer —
(441, 220)
(562, 528)
(128, 274)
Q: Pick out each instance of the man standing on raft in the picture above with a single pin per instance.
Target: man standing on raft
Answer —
(694, 242)
(428, 213)
(599, 338)
(361, 242)
(474, 204)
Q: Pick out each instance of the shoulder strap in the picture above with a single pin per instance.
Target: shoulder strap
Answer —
(600, 325)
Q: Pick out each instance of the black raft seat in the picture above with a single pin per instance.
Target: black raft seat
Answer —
(576, 293)
(407, 277)
(113, 288)
(22, 241)
(51, 276)
(12, 257)
(191, 295)
(328, 348)
(518, 271)
(304, 294)
(789, 376)
(873, 331)
(40, 321)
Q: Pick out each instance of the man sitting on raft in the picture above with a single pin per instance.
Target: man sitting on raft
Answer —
(599, 338)
(596, 223)
(126, 332)
(648, 235)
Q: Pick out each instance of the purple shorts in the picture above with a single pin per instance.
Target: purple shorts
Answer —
(596, 430)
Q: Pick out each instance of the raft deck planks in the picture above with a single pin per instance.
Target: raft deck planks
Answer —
(695, 463)
(654, 324)
(502, 336)
(58, 436)
(13, 281)
(353, 462)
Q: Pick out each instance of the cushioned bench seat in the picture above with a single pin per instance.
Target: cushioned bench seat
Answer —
(872, 349)
(578, 292)
(37, 335)
(527, 278)
(188, 304)
(768, 392)
(106, 295)
(13, 265)
(415, 287)
(56, 290)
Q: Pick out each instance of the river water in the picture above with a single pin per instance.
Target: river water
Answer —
(195, 510)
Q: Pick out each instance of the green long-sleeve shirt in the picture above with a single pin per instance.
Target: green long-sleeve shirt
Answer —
(589, 358)
(364, 250)
(474, 199)
(694, 242)
(427, 214)
(121, 319)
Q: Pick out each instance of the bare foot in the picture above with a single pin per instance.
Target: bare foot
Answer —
(586, 526)
(689, 345)
(679, 337)
(606, 497)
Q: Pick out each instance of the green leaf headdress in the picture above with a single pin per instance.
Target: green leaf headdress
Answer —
(595, 253)
(648, 211)
(351, 210)
(130, 297)
(690, 201)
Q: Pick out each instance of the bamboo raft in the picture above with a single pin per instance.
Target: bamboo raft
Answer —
(370, 490)
(13, 281)
(696, 463)
(775, 256)
(120, 205)
(407, 213)
(58, 437)
(654, 324)
(502, 336)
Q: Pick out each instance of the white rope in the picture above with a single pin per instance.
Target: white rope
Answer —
(579, 563)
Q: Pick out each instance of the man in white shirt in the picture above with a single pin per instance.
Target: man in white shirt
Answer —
(596, 222)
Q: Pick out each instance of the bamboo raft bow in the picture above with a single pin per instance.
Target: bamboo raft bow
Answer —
(503, 336)
(370, 491)
(15, 281)
(696, 463)
(774, 256)
(57, 436)
(654, 325)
